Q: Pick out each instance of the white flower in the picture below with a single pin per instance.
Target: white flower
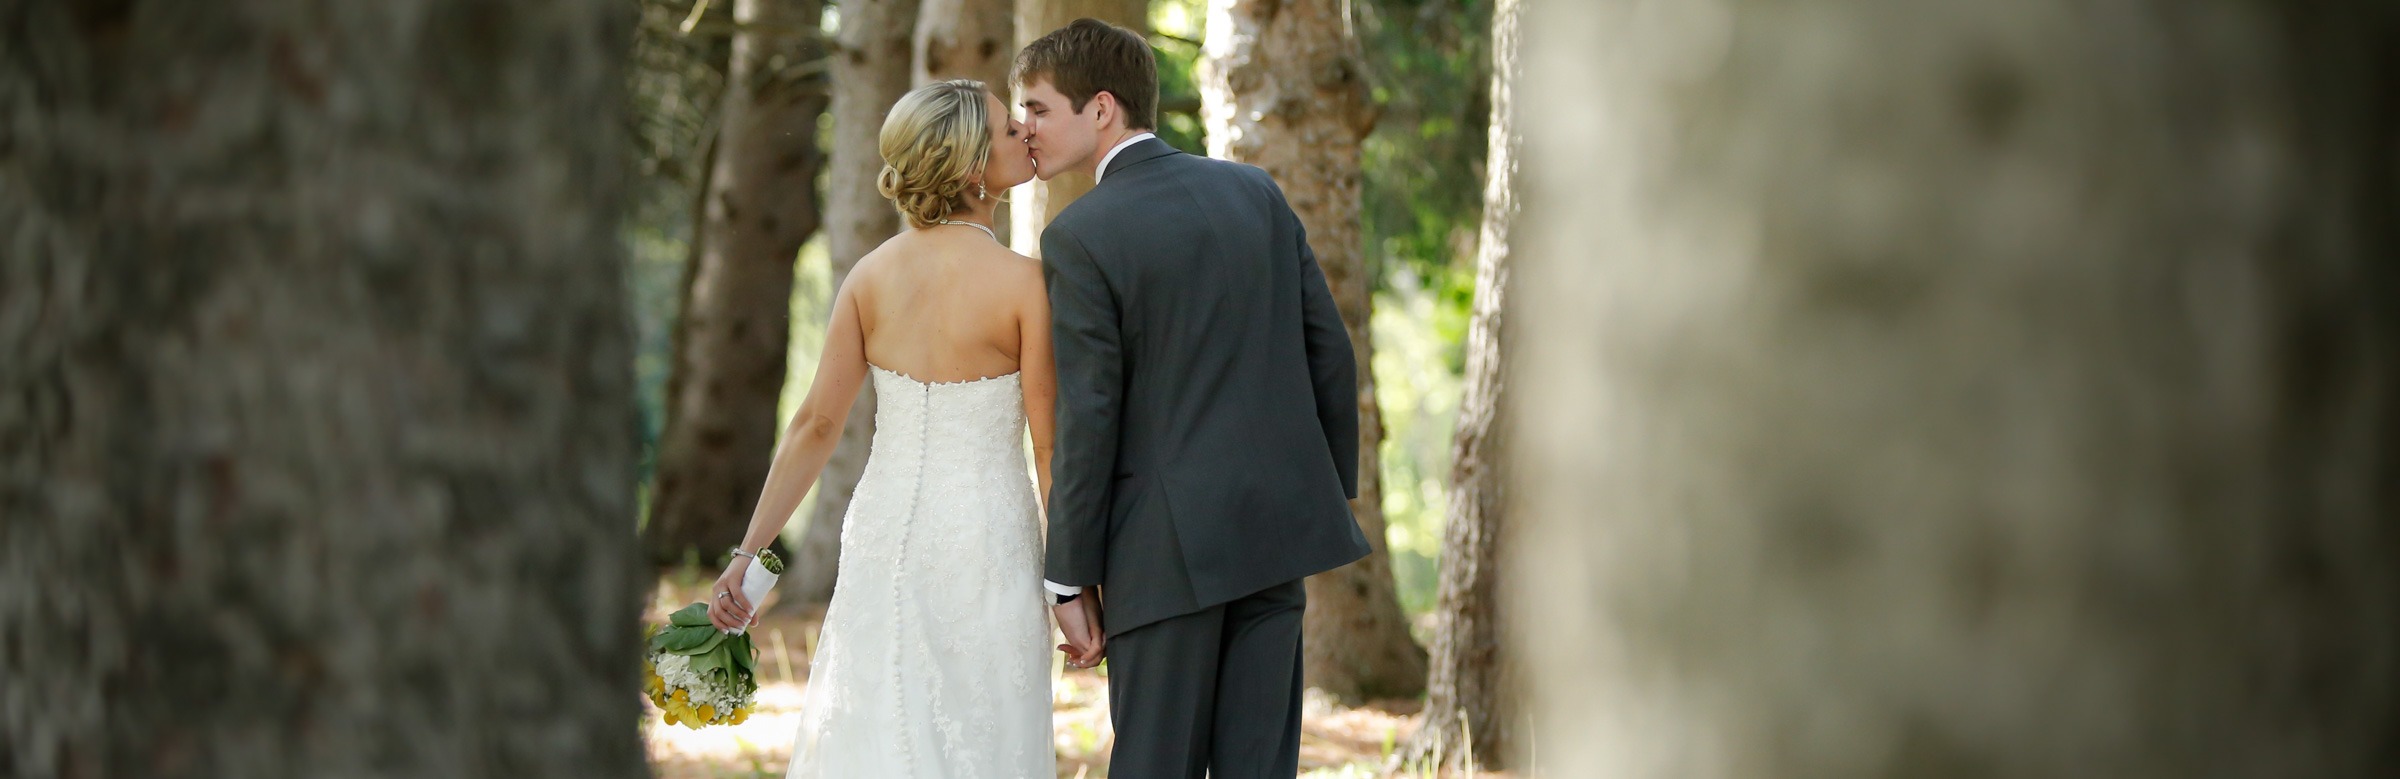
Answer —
(676, 670)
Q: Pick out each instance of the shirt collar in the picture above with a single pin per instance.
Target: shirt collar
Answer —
(1112, 154)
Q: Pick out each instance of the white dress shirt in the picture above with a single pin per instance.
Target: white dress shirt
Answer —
(1112, 154)
(1055, 587)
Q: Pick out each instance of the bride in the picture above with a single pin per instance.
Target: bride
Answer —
(934, 660)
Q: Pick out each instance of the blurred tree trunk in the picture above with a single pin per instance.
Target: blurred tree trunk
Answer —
(1038, 202)
(1989, 390)
(1282, 90)
(969, 39)
(1471, 685)
(966, 39)
(870, 73)
(735, 327)
(316, 424)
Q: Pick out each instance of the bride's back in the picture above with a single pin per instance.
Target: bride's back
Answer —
(945, 304)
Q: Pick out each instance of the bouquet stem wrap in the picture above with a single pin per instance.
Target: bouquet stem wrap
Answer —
(756, 583)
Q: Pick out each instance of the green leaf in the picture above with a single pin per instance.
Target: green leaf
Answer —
(684, 641)
(694, 615)
(708, 663)
(703, 640)
(744, 654)
(730, 664)
(768, 559)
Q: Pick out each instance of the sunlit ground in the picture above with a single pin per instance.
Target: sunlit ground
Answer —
(1335, 741)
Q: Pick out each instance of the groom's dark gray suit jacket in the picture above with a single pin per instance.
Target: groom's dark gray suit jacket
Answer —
(1207, 402)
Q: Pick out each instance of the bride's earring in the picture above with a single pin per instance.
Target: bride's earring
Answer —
(980, 194)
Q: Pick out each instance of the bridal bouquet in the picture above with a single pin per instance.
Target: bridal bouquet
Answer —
(699, 675)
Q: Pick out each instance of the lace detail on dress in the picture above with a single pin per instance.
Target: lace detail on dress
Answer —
(936, 640)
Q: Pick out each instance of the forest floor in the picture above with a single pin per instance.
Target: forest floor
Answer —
(1336, 741)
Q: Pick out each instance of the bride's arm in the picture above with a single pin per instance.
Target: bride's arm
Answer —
(1039, 374)
(816, 425)
(807, 443)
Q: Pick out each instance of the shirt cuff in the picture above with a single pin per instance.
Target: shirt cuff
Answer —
(1056, 588)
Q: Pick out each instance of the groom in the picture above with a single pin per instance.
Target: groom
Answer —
(1207, 421)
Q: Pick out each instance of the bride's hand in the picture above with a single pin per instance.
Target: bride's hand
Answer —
(727, 609)
(1091, 612)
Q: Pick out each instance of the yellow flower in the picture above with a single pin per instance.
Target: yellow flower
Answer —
(741, 714)
(708, 714)
(680, 697)
(672, 720)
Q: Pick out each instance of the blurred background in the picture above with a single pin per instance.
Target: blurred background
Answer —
(1894, 389)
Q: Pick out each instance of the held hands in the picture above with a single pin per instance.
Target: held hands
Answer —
(1079, 621)
(727, 608)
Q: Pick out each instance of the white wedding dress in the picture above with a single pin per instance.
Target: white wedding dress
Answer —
(934, 662)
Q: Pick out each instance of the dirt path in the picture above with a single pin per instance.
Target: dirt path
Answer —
(1335, 741)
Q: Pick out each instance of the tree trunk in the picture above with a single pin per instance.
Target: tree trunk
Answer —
(735, 326)
(1471, 685)
(316, 447)
(1037, 202)
(968, 39)
(1982, 390)
(1282, 90)
(870, 73)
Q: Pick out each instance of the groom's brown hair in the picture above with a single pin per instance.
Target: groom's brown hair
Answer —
(1088, 57)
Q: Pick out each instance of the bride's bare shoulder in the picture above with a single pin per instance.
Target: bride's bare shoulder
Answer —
(872, 266)
(1019, 273)
(895, 245)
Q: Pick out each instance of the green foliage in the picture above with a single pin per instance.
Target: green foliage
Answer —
(1175, 40)
(1419, 392)
(1179, 97)
(1430, 65)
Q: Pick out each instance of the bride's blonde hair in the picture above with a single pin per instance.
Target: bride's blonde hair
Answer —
(934, 144)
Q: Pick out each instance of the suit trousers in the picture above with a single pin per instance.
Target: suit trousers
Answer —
(1213, 693)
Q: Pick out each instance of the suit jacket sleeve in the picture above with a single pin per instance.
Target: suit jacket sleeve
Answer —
(1332, 367)
(1086, 344)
